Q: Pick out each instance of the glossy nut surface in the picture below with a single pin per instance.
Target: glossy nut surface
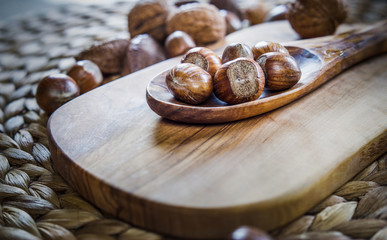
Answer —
(86, 74)
(55, 90)
(236, 50)
(281, 70)
(189, 83)
(204, 58)
(240, 80)
(178, 43)
(263, 47)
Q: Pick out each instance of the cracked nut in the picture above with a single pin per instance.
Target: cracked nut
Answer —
(204, 58)
(238, 81)
(236, 50)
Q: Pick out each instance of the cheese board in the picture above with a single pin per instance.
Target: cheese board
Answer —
(202, 181)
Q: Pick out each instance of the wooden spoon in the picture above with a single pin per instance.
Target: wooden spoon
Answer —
(320, 60)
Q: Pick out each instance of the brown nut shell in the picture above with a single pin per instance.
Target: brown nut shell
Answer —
(142, 52)
(189, 83)
(281, 70)
(149, 16)
(178, 43)
(233, 23)
(86, 74)
(238, 81)
(55, 90)
(236, 50)
(263, 47)
(315, 18)
(204, 58)
(201, 21)
(108, 56)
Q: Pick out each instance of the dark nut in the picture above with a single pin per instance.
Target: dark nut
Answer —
(240, 80)
(149, 17)
(265, 47)
(204, 58)
(281, 70)
(189, 83)
(233, 23)
(279, 12)
(86, 74)
(201, 21)
(55, 90)
(236, 50)
(178, 43)
(142, 52)
(315, 18)
(108, 56)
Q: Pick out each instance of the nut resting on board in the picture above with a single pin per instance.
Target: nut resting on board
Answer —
(267, 46)
(236, 50)
(281, 70)
(189, 83)
(240, 80)
(204, 58)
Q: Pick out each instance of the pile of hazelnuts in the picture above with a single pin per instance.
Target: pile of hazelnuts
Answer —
(239, 76)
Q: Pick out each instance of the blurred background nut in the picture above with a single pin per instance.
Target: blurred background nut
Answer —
(314, 18)
(86, 74)
(149, 16)
(178, 43)
(108, 56)
(142, 52)
(201, 21)
(233, 23)
(55, 90)
(278, 12)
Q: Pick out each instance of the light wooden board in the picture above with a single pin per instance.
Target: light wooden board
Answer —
(203, 181)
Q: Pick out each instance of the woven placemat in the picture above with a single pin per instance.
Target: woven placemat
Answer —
(36, 203)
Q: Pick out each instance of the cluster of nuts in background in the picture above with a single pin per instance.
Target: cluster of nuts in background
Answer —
(160, 30)
(239, 76)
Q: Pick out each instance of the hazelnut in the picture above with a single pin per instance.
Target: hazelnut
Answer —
(279, 12)
(178, 43)
(249, 233)
(108, 56)
(189, 83)
(281, 70)
(240, 80)
(236, 50)
(86, 74)
(142, 52)
(315, 18)
(256, 12)
(267, 46)
(201, 21)
(233, 23)
(55, 90)
(204, 58)
(149, 16)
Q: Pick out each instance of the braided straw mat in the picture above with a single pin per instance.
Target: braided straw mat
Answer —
(36, 203)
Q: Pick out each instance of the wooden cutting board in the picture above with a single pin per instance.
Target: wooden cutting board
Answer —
(203, 181)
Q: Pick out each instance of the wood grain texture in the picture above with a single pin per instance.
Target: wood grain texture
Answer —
(203, 181)
(319, 59)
